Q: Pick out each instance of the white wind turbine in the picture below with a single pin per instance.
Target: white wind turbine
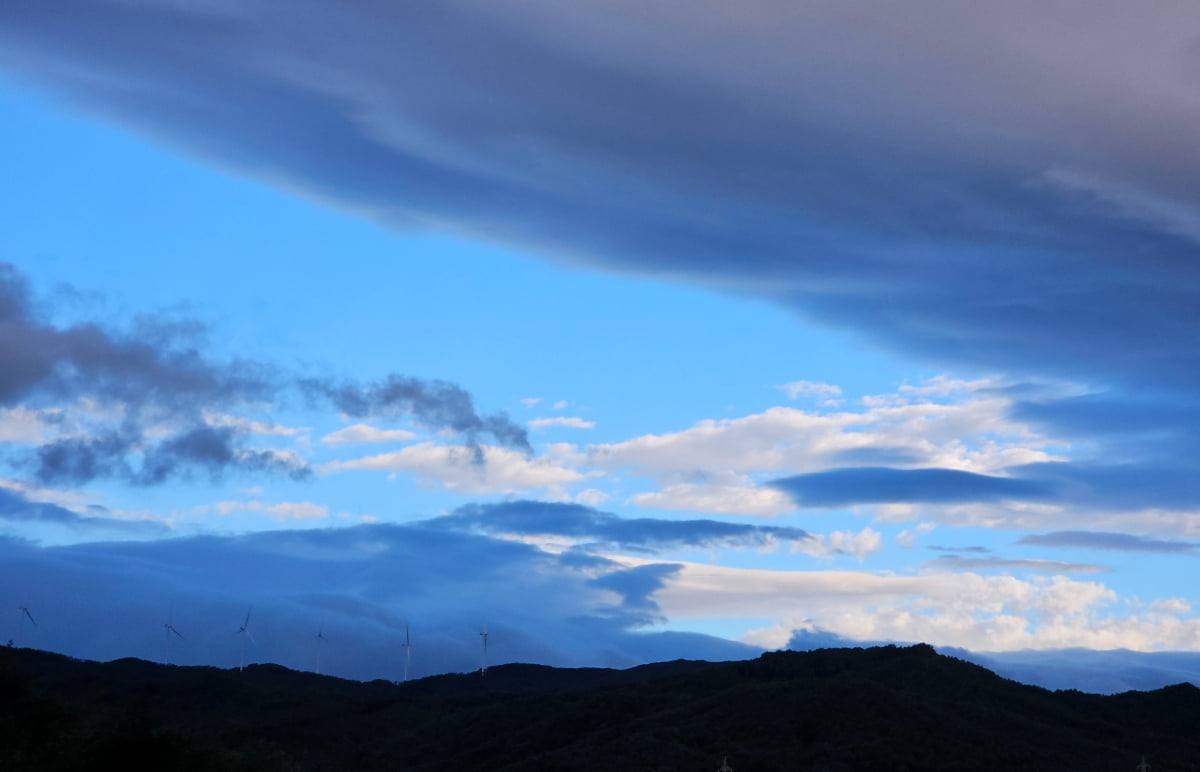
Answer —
(484, 636)
(321, 639)
(168, 631)
(407, 652)
(23, 616)
(244, 632)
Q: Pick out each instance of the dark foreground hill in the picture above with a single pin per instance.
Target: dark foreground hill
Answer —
(885, 708)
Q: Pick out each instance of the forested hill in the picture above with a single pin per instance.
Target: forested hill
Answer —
(884, 708)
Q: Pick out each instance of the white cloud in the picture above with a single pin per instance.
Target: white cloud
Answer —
(908, 537)
(723, 499)
(250, 426)
(560, 405)
(982, 613)
(826, 392)
(457, 468)
(364, 434)
(530, 401)
(1172, 605)
(20, 424)
(282, 512)
(857, 545)
(973, 434)
(592, 497)
(571, 422)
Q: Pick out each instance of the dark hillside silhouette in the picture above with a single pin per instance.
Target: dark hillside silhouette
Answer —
(884, 708)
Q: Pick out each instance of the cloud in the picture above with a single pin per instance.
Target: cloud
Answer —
(960, 563)
(560, 405)
(725, 499)
(570, 422)
(1122, 542)
(530, 401)
(946, 608)
(281, 512)
(972, 433)
(361, 585)
(147, 405)
(458, 468)
(873, 485)
(602, 530)
(857, 545)
(208, 450)
(364, 434)
(826, 392)
(437, 404)
(16, 508)
(1029, 171)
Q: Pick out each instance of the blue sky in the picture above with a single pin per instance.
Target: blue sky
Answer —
(630, 333)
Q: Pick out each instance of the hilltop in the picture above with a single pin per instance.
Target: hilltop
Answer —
(887, 708)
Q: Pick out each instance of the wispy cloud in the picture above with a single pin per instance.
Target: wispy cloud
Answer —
(586, 525)
(1104, 540)
(364, 434)
(570, 422)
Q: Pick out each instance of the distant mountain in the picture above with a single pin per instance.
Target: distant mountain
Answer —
(884, 708)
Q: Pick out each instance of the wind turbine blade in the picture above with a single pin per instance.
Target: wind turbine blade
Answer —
(31, 619)
(177, 633)
(247, 622)
(251, 637)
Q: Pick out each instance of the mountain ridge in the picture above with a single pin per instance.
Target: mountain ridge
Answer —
(888, 707)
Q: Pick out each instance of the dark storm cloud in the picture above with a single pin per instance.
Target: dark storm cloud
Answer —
(1103, 540)
(539, 518)
(436, 404)
(879, 485)
(160, 378)
(361, 586)
(996, 186)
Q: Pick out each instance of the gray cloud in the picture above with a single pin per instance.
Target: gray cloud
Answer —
(159, 377)
(438, 404)
(1104, 540)
(877, 485)
(954, 179)
(960, 563)
(603, 529)
(201, 449)
(155, 365)
(16, 508)
(361, 585)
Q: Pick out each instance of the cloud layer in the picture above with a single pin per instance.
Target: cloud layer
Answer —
(148, 404)
(954, 180)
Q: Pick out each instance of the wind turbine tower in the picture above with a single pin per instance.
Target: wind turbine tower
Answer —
(244, 632)
(168, 631)
(320, 645)
(23, 616)
(407, 652)
(483, 666)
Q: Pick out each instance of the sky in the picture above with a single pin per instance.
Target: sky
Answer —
(624, 331)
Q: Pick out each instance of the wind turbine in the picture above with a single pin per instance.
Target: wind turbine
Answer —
(484, 635)
(407, 652)
(24, 614)
(244, 631)
(320, 636)
(168, 631)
